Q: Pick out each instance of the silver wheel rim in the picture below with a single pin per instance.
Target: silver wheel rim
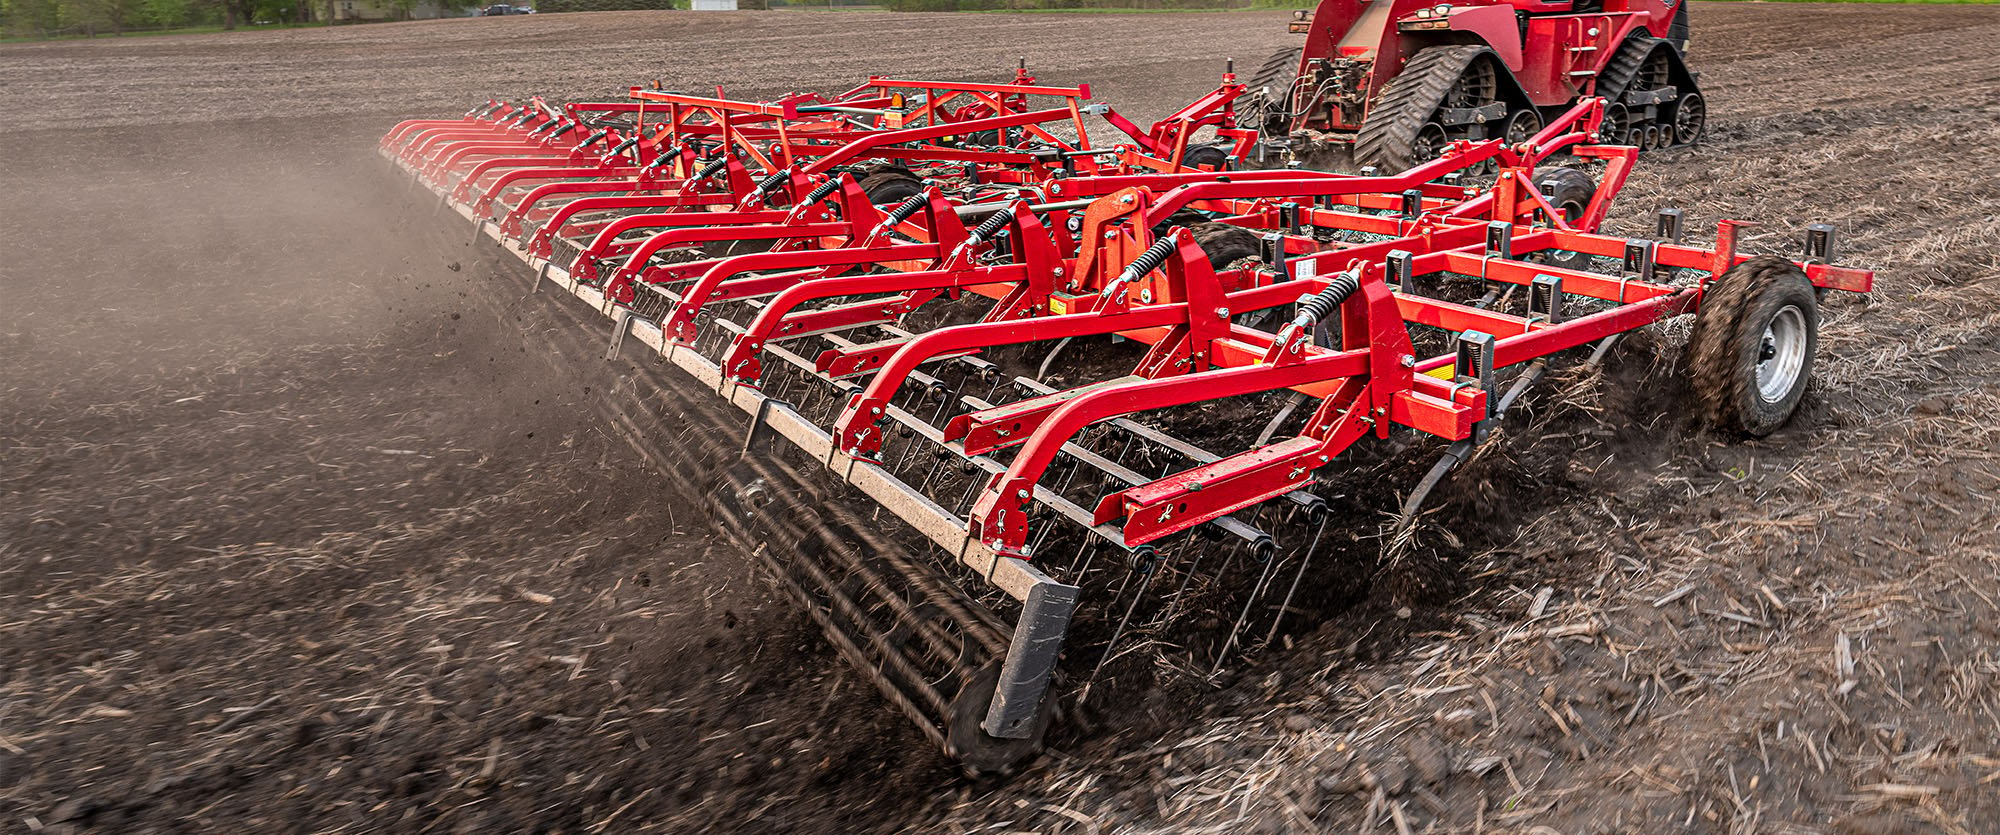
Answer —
(1781, 356)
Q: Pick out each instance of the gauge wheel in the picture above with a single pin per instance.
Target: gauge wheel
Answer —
(1751, 354)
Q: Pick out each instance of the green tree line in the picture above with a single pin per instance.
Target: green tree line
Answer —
(46, 18)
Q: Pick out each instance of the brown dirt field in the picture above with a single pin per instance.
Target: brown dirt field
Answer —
(306, 527)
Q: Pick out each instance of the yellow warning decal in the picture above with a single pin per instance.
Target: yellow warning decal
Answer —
(1444, 372)
(1058, 306)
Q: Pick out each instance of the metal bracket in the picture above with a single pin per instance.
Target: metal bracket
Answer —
(1545, 298)
(1473, 366)
(1031, 659)
(1640, 259)
(1670, 226)
(1400, 264)
(1288, 217)
(621, 320)
(1474, 362)
(1272, 250)
(1820, 243)
(757, 424)
(1500, 239)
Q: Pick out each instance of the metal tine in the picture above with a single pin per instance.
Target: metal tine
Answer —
(1149, 568)
(1305, 560)
(1249, 601)
(1180, 595)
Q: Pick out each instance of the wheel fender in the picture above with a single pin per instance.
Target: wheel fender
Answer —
(1493, 26)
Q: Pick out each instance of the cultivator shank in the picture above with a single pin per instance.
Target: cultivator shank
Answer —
(1100, 394)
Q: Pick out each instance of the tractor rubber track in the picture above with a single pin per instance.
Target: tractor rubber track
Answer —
(1616, 79)
(1407, 103)
(1278, 75)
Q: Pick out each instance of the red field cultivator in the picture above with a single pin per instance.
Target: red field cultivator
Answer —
(1094, 394)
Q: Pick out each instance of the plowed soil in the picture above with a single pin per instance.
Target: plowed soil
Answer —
(310, 520)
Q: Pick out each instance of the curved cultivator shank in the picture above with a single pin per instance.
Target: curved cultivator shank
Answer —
(1099, 388)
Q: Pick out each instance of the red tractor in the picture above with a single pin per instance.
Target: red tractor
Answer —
(1400, 79)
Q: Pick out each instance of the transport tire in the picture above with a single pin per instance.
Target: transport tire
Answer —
(1213, 157)
(1224, 243)
(887, 188)
(1569, 190)
(1184, 217)
(1751, 355)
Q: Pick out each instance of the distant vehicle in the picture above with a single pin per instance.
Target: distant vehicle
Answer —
(501, 9)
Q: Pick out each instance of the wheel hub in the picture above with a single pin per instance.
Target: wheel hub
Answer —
(1782, 356)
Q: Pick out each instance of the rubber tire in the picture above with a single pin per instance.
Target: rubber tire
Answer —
(1567, 187)
(1182, 217)
(887, 188)
(1209, 155)
(1225, 244)
(1729, 337)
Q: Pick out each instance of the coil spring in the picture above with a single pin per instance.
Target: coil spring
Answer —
(712, 167)
(1152, 258)
(770, 182)
(991, 225)
(824, 190)
(1314, 308)
(488, 111)
(624, 146)
(594, 138)
(904, 210)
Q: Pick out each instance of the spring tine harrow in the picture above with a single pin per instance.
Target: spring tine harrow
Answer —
(885, 279)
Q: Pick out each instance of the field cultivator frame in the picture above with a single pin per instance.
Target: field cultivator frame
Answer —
(860, 330)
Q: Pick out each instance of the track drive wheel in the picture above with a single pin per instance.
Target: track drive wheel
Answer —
(1522, 126)
(1617, 125)
(1751, 355)
(978, 752)
(1690, 118)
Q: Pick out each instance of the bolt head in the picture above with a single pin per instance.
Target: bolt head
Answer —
(1409, 361)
